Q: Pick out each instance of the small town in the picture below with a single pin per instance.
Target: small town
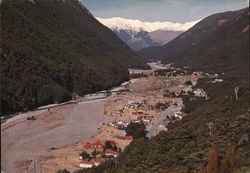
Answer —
(153, 101)
(150, 102)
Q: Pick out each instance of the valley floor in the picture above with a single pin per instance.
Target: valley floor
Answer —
(27, 141)
(57, 136)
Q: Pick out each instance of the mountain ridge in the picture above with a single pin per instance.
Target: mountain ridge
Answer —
(207, 42)
(138, 35)
(53, 49)
(118, 23)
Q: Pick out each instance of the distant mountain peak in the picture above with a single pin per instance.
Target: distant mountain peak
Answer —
(138, 35)
(135, 25)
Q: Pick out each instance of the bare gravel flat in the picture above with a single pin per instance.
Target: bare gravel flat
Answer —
(24, 140)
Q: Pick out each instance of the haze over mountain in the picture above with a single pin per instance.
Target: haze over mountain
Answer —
(138, 34)
(218, 42)
(53, 48)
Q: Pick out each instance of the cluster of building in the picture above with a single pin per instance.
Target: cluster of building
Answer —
(140, 108)
(120, 124)
(146, 119)
(138, 105)
(88, 162)
(139, 115)
(143, 105)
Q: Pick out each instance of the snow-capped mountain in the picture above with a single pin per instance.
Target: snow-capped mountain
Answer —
(139, 35)
(118, 23)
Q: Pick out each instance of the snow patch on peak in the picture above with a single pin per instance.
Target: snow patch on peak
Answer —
(118, 23)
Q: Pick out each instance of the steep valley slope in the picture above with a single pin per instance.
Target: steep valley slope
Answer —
(219, 43)
(53, 49)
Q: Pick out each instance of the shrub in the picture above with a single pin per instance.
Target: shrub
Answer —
(31, 118)
(107, 145)
(137, 130)
(63, 171)
(188, 83)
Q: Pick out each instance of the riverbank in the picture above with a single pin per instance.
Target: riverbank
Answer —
(55, 126)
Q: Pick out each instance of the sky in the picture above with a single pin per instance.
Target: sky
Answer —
(162, 10)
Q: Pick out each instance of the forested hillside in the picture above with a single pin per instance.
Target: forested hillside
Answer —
(226, 51)
(53, 48)
(218, 43)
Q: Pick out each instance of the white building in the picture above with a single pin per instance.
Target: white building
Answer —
(178, 115)
(86, 164)
(217, 80)
(111, 153)
(200, 93)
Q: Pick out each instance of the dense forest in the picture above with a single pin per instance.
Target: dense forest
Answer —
(51, 49)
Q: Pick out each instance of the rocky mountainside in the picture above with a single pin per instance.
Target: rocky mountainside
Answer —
(138, 35)
(219, 42)
(53, 48)
(163, 36)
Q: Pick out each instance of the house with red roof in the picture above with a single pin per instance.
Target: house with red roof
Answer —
(88, 145)
(111, 153)
(125, 137)
(95, 145)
